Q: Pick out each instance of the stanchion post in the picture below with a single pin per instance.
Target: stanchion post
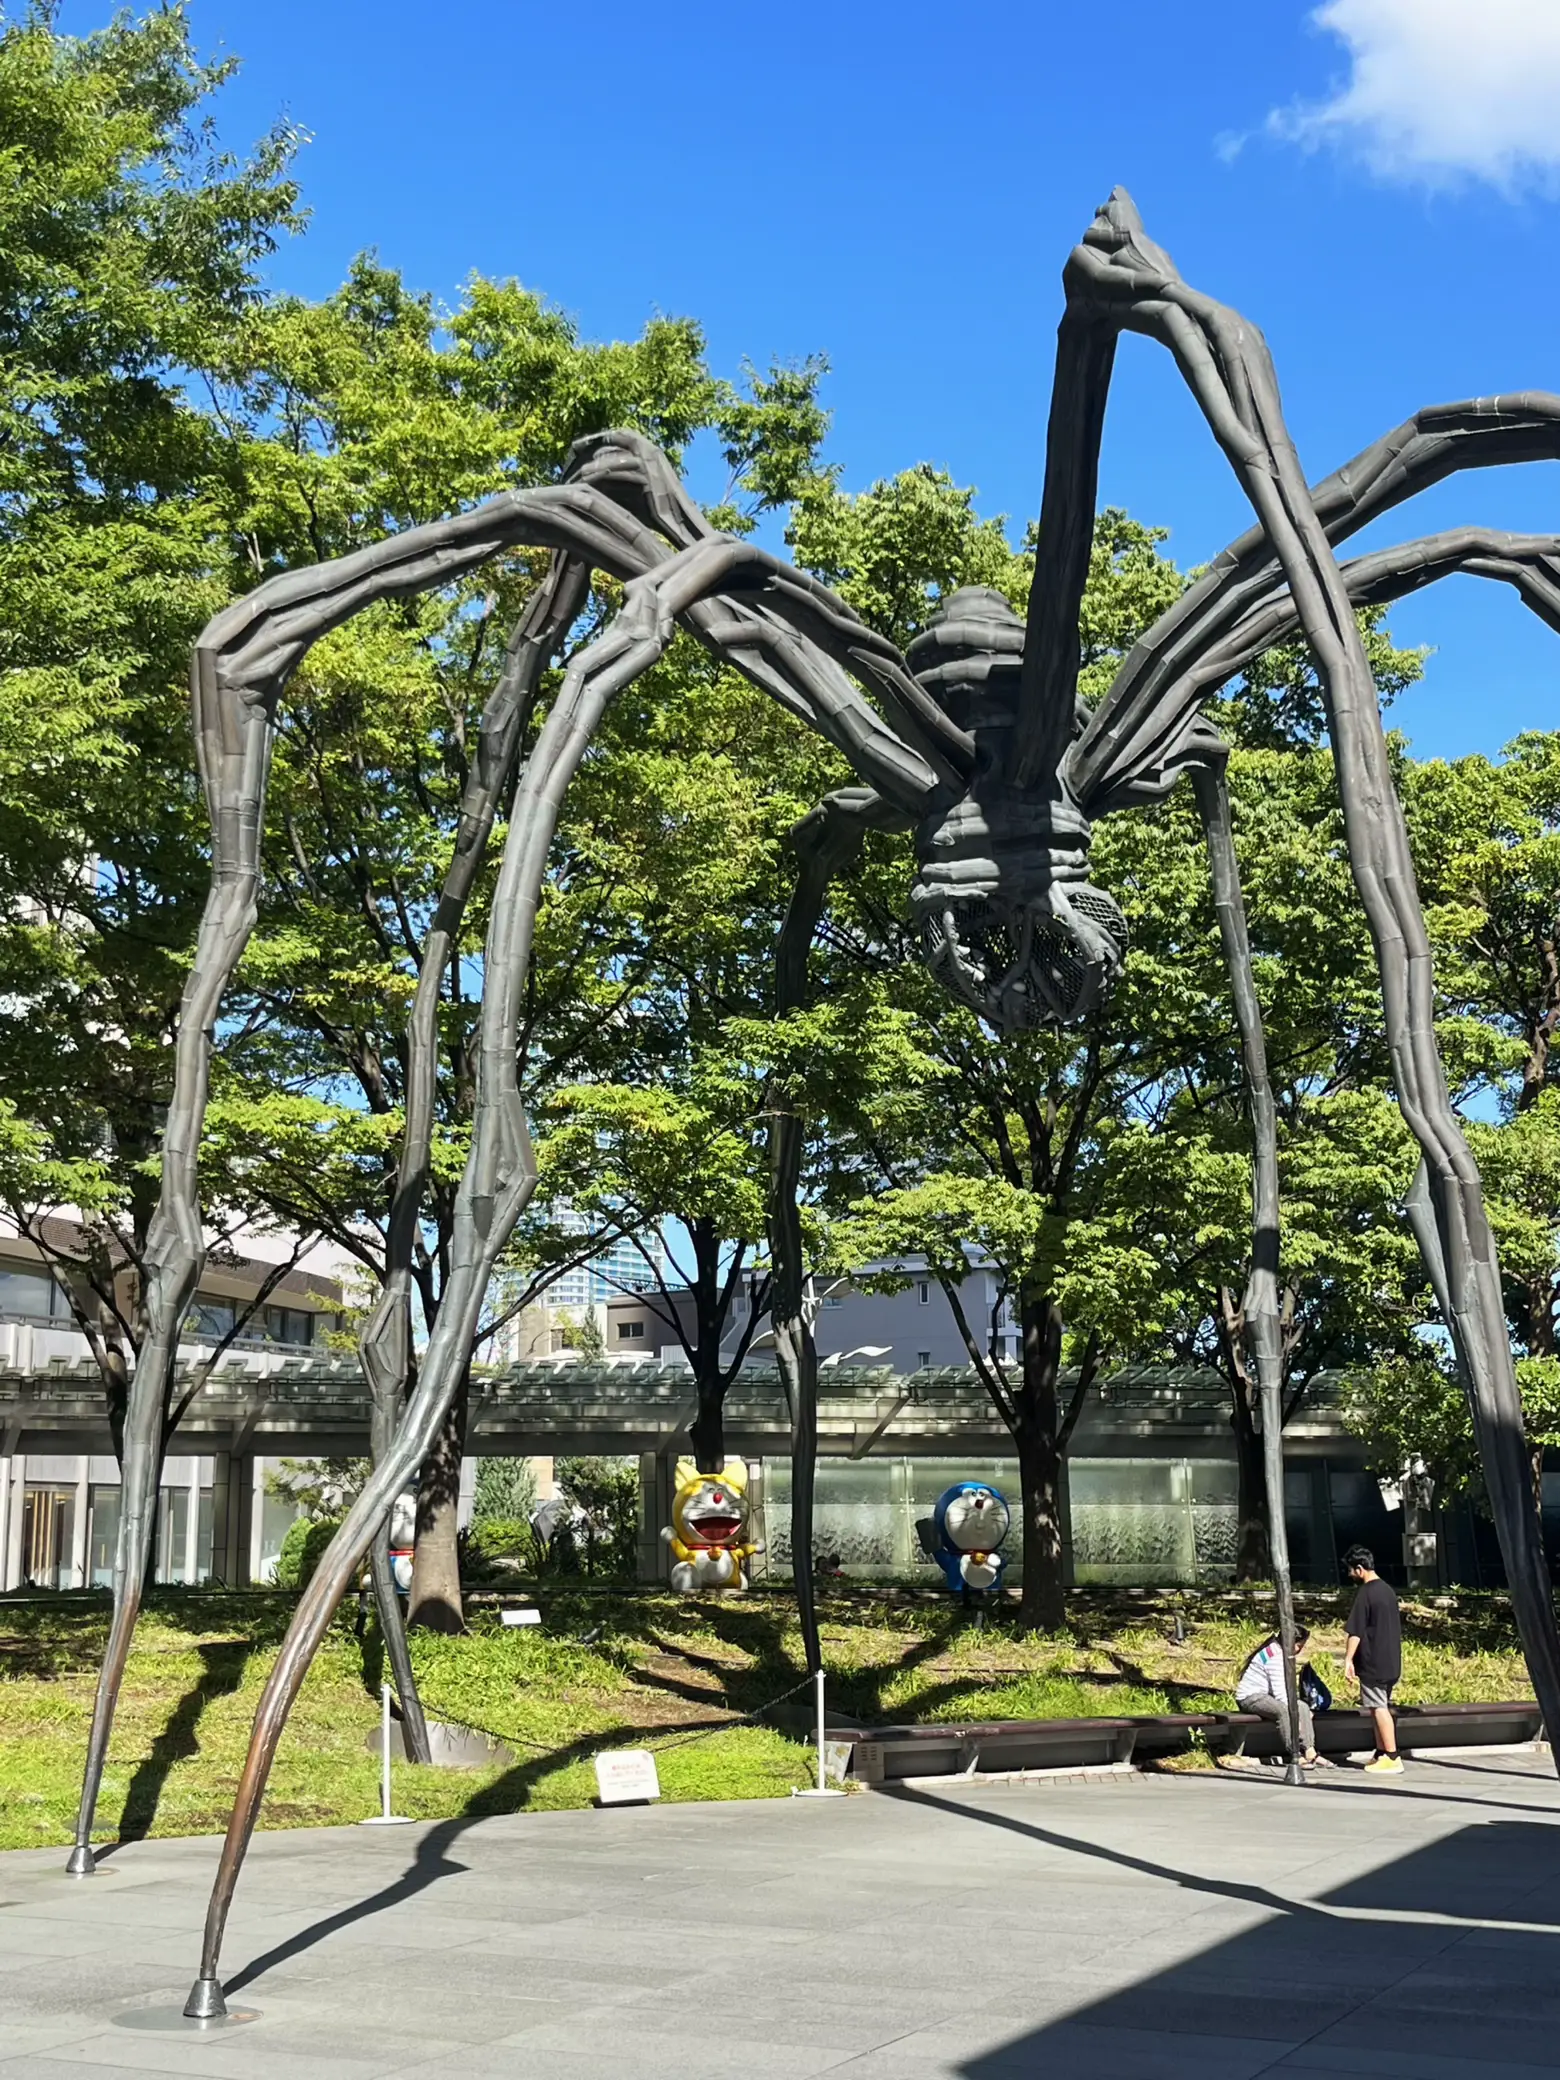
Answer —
(384, 1817)
(822, 1778)
(823, 1788)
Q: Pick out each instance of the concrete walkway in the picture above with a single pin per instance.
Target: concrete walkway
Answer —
(1140, 1928)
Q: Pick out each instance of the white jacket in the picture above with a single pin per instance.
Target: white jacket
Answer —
(1263, 1675)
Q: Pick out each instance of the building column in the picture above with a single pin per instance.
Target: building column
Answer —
(78, 1530)
(192, 1527)
(250, 1478)
(11, 1561)
(224, 1542)
(648, 1554)
(10, 1506)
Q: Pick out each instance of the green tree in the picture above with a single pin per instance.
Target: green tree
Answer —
(1104, 1173)
(379, 411)
(1486, 838)
(129, 250)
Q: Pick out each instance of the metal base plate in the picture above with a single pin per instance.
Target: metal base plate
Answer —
(814, 1792)
(171, 2021)
(388, 1820)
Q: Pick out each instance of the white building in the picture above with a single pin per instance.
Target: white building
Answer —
(59, 1512)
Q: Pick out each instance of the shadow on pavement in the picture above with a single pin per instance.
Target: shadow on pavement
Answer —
(1363, 1980)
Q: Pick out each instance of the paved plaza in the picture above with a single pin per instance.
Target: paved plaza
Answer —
(1217, 1926)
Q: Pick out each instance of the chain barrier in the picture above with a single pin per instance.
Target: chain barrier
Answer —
(661, 1747)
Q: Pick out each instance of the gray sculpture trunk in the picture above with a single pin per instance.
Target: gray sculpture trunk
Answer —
(1001, 801)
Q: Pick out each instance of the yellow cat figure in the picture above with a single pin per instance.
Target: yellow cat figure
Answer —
(708, 1531)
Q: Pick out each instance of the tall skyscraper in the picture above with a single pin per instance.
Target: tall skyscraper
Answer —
(620, 1265)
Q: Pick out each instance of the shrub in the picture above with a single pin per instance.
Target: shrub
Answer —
(607, 1490)
(505, 1492)
(503, 1538)
(302, 1550)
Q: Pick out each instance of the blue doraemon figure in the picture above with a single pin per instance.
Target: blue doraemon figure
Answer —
(964, 1534)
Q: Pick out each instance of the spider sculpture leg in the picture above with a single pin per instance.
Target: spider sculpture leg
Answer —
(240, 665)
(1176, 661)
(825, 843)
(1118, 279)
(1259, 1306)
(385, 1345)
(500, 1172)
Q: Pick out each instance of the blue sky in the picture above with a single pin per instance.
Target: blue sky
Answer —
(897, 187)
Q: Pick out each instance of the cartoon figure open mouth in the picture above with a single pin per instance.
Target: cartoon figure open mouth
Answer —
(708, 1533)
(712, 1529)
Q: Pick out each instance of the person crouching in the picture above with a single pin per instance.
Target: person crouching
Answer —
(1261, 1689)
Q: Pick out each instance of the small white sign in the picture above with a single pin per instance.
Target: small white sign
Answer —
(520, 1617)
(626, 1776)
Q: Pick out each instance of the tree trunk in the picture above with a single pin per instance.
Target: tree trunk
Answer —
(435, 1597)
(1042, 1606)
(707, 1431)
(1253, 1549)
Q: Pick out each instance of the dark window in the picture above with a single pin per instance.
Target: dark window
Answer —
(628, 1331)
(294, 1325)
(926, 1292)
(922, 1360)
(30, 1293)
(209, 1319)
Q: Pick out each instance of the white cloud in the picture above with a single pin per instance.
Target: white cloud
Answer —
(1442, 90)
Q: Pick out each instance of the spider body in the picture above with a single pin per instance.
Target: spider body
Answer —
(1010, 923)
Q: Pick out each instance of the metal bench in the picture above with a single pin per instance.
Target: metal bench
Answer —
(885, 1754)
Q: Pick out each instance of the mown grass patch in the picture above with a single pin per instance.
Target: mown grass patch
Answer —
(690, 1678)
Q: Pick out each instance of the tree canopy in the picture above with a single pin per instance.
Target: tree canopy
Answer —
(173, 431)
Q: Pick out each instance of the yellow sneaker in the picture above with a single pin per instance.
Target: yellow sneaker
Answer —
(1384, 1766)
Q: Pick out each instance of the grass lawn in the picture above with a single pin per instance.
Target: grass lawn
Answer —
(676, 1674)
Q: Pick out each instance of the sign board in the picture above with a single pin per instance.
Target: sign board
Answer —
(520, 1617)
(836, 1760)
(626, 1776)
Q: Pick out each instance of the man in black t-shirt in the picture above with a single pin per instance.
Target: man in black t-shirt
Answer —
(1374, 1658)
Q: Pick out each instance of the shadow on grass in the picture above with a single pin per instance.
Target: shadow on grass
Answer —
(222, 1672)
(1184, 1697)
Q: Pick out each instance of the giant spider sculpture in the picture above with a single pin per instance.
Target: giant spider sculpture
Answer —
(976, 742)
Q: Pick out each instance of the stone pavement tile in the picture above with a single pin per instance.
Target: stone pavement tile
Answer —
(854, 2019)
(24, 1935)
(94, 1908)
(624, 2060)
(235, 2054)
(1514, 1994)
(985, 2029)
(633, 1947)
(46, 2068)
(588, 1973)
(1277, 2012)
(1484, 2034)
(38, 1988)
(658, 2046)
(18, 2039)
(1317, 2059)
(464, 2014)
(1074, 2051)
